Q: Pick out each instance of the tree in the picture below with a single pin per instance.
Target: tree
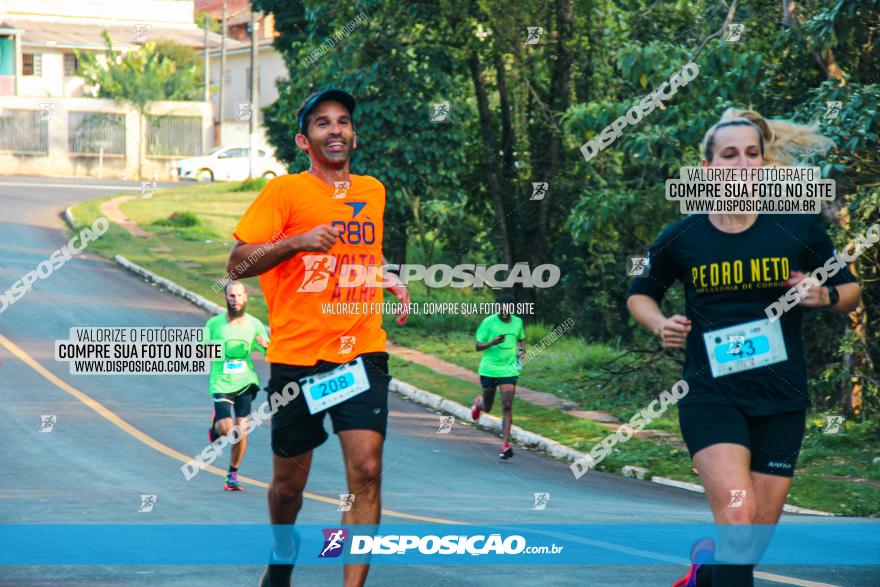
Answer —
(396, 73)
(137, 78)
(190, 67)
(522, 108)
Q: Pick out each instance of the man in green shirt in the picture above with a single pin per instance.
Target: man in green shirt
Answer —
(501, 339)
(234, 383)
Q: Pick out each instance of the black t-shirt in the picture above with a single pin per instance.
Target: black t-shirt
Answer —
(730, 279)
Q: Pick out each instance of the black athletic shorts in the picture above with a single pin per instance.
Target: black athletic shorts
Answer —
(493, 382)
(774, 441)
(241, 402)
(295, 431)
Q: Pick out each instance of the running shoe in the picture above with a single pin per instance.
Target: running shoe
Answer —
(702, 553)
(232, 483)
(506, 452)
(276, 576)
(476, 409)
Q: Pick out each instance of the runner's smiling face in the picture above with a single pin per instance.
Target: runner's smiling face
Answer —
(330, 136)
(736, 146)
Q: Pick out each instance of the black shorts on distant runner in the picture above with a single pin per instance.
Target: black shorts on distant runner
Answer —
(492, 382)
(774, 441)
(224, 403)
(296, 431)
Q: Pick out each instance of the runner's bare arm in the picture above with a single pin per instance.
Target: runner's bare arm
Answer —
(850, 297)
(250, 260)
(817, 296)
(672, 331)
(400, 291)
(482, 346)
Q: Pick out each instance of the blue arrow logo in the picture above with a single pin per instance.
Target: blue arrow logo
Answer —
(356, 208)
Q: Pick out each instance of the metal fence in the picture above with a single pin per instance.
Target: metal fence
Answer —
(174, 136)
(89, 131)
(25, 131)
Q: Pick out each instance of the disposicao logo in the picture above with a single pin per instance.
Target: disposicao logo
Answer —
(334, 542)
(318, 269)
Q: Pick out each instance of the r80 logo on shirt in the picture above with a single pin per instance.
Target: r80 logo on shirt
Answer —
(356, 232)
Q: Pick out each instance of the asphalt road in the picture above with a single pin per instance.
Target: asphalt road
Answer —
(98, 460)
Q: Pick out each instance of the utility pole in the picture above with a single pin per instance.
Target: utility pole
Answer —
(255, 111)
(222, 77)
(207, 64)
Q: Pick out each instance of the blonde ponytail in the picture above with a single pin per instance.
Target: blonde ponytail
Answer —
(783, 142)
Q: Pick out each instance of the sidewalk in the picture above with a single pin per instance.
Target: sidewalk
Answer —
(112, 210)
(530, 395)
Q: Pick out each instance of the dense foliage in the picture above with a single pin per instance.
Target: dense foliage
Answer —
(519, 113)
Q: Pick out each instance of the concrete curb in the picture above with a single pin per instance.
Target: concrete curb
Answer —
(432, 400)
(517, 434)
(793, 509)
(680, 484)
(68, 217)
(541, 443)
(170, 286)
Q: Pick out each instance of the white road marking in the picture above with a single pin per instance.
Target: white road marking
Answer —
(73, 185)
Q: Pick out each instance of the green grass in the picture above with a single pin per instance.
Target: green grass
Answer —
(251, 185)
(660, 459)
(852, 455)
(217, 210)
(184, 219)
(570, 367)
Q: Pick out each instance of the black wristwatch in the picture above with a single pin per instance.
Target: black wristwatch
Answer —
(833, 295)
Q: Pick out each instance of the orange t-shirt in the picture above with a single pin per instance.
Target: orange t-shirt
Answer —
(303, 330)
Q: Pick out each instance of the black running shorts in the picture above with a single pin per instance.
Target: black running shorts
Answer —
(224, 403)
(295, 431)
(493, 382)
(774, 441)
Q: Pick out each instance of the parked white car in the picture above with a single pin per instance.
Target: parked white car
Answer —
(229, 163)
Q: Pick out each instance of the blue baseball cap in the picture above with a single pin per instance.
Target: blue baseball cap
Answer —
(340, 96)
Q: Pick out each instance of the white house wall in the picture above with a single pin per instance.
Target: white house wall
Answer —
(53, 83)
(162, 12)
(60, 162)
(271, 68)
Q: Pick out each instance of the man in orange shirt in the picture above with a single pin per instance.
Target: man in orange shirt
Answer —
(302, 235)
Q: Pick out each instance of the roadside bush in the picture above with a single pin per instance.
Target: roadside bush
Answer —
(251, 185)
(180, 220)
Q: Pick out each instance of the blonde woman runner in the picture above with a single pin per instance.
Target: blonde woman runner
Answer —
(743, 418)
